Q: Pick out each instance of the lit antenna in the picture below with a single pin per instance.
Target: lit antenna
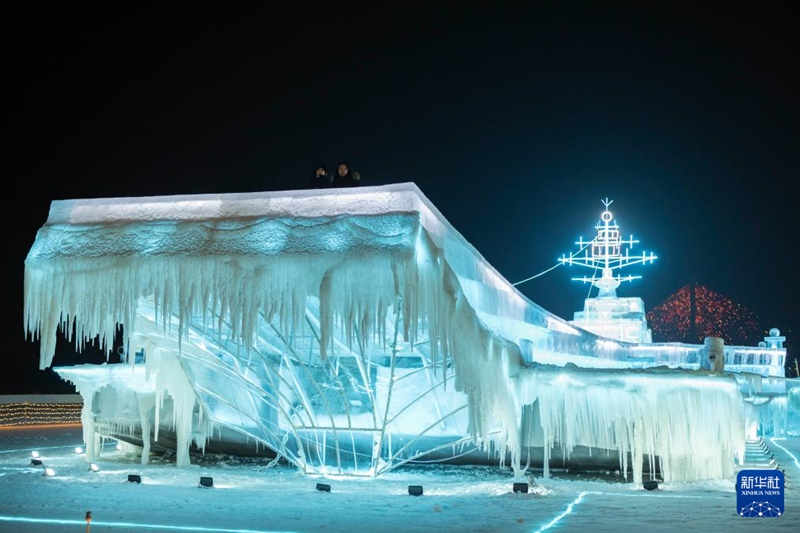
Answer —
(607, 252)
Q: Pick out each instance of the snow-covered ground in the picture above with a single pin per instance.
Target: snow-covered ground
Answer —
(256, 497)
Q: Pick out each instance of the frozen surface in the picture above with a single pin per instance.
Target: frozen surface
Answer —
(252, 497)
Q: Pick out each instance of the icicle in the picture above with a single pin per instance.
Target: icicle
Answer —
(252, 268)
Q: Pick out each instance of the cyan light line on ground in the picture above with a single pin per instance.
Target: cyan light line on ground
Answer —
(787, 452)
(98, 523)
(566, 511)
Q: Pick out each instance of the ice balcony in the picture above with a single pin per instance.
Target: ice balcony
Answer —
(352, 331)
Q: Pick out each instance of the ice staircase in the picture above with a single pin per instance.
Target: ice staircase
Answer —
(757, 455)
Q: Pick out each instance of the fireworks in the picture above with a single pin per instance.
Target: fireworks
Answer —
(696, 312)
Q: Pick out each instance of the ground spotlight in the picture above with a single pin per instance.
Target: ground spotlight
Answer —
(415, 490)
(49, 472)
(520, 487)
(36, 462)
(134, 478)
(323, 487)
(78, 450)
(93, 467)
(650, 485)
(35, 454)
(206, 482)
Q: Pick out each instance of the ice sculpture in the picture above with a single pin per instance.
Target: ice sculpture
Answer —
(352, 331)
(608, 314)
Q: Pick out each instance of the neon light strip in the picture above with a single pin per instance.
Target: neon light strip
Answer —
(134, 524)
(567, 511)
(583, 495)
(790, 454)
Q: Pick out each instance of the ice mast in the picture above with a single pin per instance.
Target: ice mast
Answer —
(607, 252)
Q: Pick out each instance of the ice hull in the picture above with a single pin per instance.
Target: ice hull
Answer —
(350, 331)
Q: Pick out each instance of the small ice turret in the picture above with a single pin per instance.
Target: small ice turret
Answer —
(775, 339)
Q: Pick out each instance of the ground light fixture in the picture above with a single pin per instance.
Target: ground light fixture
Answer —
(78, 450)
(49, 472)
(650, 485)
(134, 478)
(323, 487)
(36, 462)
(520, 487)
(415, 490)
(206, 482)
(93, 467)
(35, 454)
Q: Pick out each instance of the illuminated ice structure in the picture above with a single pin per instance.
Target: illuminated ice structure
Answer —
(607, 314)
(352, 331)
(759, 370)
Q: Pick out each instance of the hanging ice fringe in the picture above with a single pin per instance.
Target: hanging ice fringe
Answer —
(352, 333)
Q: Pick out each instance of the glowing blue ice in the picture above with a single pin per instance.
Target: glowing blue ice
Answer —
(351, 331)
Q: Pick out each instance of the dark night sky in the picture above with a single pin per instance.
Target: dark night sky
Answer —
(515, 123)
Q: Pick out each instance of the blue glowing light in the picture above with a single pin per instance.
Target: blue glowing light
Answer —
(567, 511)
(138, 525)
(795, 459)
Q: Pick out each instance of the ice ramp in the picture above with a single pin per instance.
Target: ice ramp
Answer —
(350, 331)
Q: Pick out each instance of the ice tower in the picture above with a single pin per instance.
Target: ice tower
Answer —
(608, 314)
